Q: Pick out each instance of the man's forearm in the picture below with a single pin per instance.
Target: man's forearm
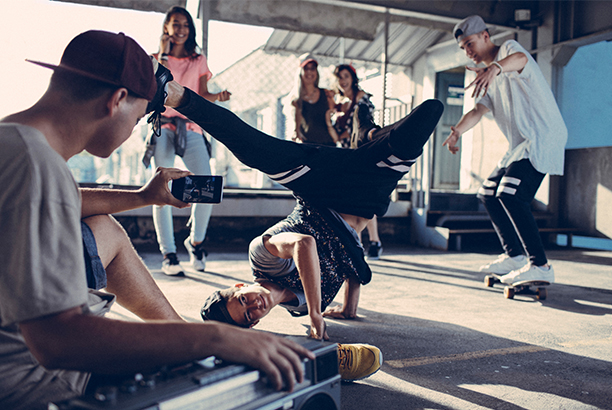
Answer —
(513, 62)
(351, 297)
(154, 192)
(307, 263)
(469, 120)
(303, 250)
(74, 341)
(96, 201)
(79, 342)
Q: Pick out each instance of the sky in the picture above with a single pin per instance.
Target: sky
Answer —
(41, 29)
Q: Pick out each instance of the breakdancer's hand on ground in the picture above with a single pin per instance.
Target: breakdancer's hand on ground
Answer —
(318, 327)
(339, 312)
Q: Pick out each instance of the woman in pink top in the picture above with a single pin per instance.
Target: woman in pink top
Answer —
(179, 52)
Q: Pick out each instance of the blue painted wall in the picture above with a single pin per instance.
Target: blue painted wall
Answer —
(586, 96)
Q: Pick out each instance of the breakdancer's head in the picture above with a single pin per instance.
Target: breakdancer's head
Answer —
(242, 305)
(96, 95)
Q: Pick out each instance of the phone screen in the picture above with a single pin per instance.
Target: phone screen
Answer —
(198, 189)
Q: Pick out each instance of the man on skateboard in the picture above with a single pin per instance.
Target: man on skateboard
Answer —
(512, 87)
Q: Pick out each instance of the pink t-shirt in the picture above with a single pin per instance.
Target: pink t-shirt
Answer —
(187, 72)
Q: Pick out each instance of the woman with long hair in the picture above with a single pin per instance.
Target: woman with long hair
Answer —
(349, 95)
(179, 52)
(314, 107)
(354, 101)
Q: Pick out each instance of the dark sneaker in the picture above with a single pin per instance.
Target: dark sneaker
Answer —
(374, 250)
(156, 105)
(197, 255)
(171, 265)
(358, 361)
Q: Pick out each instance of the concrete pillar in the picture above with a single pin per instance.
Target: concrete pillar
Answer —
(204, 16)
(383, 60)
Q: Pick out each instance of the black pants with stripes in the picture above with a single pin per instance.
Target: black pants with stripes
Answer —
(507, 195)
(355, 182)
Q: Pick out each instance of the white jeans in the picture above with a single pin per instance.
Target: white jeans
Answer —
(196, 160)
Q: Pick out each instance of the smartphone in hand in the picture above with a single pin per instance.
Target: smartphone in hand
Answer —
(207, 189)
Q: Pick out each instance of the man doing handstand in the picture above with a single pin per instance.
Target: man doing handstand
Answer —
(302, 261)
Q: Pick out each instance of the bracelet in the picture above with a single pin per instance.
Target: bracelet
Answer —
(501, 69)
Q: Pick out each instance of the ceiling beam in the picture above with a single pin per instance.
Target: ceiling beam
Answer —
(423, 16)
(297, 15)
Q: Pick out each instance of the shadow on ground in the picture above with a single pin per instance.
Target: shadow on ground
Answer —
(428, 364)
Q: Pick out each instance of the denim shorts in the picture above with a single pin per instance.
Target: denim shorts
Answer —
(96, 274)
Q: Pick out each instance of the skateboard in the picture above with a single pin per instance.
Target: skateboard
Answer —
(519, 287)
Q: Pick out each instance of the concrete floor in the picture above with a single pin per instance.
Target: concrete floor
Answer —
(449, 342)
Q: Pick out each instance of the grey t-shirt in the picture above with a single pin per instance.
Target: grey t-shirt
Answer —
(41, 255)
(274, 267)
(271, 266)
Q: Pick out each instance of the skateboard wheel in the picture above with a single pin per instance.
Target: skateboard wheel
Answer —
(542, 293)
(509, 292)
(489, 281)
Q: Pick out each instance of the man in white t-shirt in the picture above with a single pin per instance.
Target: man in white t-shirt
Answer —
(512, 87)
(52, 333)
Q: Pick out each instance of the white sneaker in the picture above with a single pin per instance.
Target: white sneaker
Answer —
(171, 265)
(504, 264)
(197, 255)
(529, 273)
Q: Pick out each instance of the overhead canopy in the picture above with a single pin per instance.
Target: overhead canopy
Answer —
(407, 43)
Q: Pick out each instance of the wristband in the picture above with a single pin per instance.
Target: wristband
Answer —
(501, 69)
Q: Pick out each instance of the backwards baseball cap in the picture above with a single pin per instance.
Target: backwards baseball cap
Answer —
(468, 26)
(111, 58)
(307, 58)
(215, 308)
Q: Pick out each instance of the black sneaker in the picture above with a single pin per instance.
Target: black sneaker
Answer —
(156, 105)
(171, 265)
(375, 250)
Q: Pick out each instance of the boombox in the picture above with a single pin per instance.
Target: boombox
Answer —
(211, 384)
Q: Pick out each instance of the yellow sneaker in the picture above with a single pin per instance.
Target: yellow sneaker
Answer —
(358, 361)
